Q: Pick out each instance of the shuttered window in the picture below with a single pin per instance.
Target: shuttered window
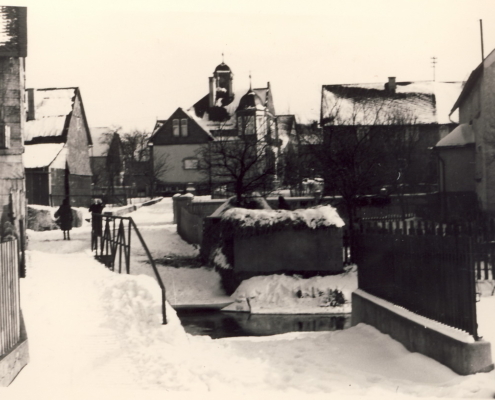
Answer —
(176, 127)
(183, 127)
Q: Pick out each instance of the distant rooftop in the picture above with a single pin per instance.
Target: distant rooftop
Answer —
(425, 102)
(52, 106)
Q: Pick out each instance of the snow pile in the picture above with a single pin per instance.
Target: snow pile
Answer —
(42, 218)
(91, 329)
(220, 260)
(320, 216)
(282, 294)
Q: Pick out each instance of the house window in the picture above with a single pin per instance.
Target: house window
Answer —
(250, 125)
(190, 163)
(4, 136)
(261, 126)
(183, 126)
(176, 127)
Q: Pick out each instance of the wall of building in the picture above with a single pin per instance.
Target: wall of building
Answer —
(488, 132)
(77, 160)
(175, 155)
(12, 189)
(78, 142)
(457, 170)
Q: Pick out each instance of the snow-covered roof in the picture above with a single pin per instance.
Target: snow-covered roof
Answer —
(159, 123)
(200, 111)
(41, 155)
(461, 136)
(52, 106)
(425, 102)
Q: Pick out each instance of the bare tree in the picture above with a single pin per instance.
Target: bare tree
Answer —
(243, 160)
(129, 161)
(366, 145)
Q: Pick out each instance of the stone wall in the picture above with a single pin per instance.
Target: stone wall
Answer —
(306, 252)
(461, 356)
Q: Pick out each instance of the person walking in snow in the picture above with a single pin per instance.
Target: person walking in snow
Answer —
(96, 222)
(64, 215)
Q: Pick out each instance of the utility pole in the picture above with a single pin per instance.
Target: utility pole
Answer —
(482, 49)
(434, 63)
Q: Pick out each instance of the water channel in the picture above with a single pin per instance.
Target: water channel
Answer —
(218, 324)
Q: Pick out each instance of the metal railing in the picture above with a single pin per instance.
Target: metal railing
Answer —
(114, 248)
(10, 322)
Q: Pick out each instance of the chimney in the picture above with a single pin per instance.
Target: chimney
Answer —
(211, 96)
(391, 85)
(31, 115)
(231, 89)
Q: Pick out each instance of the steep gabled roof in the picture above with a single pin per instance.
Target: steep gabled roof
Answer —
(426, 102)
(53, 109)
(42, 155)
(160, 124)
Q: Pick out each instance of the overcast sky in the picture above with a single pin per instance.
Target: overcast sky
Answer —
(136, 61)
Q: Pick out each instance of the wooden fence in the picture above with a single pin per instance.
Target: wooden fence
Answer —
(427, 268)
(10, 323)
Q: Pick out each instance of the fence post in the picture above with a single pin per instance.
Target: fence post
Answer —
(472, 292)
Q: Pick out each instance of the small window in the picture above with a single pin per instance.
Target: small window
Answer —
(4, 136)
(250, 129)
(191, 163)
(183, 126)
(176, 127)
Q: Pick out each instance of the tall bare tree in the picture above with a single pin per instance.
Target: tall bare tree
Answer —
(243, 159)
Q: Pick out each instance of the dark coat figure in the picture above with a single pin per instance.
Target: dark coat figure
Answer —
(282, 203)
(96, 222)
(64, 215)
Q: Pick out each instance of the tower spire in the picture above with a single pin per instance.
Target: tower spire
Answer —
(222, 59)
(250, 86)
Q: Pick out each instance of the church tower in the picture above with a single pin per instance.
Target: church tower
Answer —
(221, 86)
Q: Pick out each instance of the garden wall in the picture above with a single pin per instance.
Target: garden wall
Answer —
(418, 334)
(190, 211)
(306, 252)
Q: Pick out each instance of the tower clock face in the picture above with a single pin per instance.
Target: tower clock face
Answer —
(13, 31)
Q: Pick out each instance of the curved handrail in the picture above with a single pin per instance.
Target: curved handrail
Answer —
(148, 253)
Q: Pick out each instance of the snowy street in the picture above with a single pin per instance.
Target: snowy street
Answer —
(90, 329)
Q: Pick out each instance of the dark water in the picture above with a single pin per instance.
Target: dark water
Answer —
(218, 324)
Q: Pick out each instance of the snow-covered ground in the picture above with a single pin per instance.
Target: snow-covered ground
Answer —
(97, 334)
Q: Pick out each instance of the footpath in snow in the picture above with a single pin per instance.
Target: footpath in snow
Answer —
(92, 330)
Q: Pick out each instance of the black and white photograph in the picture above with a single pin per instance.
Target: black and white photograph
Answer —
(228, 199)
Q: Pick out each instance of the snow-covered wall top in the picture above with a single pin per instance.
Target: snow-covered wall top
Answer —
(317, 217)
